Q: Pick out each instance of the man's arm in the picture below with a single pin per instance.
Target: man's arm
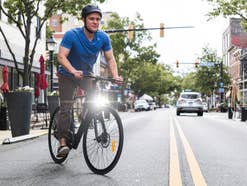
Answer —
(112, 64)
(63, 60)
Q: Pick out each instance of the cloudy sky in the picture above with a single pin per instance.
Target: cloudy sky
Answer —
(178, 44)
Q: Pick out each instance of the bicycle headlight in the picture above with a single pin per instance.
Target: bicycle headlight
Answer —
(101, 101)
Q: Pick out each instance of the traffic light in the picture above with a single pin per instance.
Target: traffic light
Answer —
(196, 64)
(177, 63)
(162, 28)
(131, 32)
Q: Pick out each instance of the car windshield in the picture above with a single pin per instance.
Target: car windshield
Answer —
(190, 96)
(140, 101)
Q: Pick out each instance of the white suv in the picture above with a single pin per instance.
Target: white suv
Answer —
(190, 102)
(141, 105)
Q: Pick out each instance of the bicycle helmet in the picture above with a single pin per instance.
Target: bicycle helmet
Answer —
(88, 9)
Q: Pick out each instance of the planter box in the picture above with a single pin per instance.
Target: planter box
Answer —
(4, 125)
(19, 105)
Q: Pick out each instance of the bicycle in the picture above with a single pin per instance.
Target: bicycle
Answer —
(102, 131)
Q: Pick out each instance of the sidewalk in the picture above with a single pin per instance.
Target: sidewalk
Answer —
(6, 137)
(38, 128)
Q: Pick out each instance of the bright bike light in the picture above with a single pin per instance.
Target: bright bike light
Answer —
(101, 101)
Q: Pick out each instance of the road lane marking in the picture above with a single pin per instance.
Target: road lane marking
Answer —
(195, 170)
(174, 172)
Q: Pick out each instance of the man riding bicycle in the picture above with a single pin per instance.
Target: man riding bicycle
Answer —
(77, 55)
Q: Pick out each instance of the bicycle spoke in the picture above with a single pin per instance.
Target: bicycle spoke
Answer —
(52, 139)
(102, 152)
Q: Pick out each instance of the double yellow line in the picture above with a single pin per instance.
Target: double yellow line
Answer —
(174, 172)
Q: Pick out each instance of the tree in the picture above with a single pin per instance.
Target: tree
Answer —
(138, 63)
(130, 55)
(21, 13)
(189, 82)
(207, 79)
(228, 8)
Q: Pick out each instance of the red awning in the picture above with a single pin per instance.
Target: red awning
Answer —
(5, 75)
(37, 86)
(42, 79)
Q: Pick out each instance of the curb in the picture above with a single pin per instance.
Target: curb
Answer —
(17, 139)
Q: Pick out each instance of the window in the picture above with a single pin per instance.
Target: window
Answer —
(38, 27)
(190, 96)
(54, 22)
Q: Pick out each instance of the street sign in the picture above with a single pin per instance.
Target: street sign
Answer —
(221, 90)
(206, 64)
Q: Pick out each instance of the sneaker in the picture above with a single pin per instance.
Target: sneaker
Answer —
(62, 151)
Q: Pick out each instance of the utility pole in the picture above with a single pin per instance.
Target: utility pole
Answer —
(221, 89)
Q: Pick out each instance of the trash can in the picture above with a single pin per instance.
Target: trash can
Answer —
(243, 113)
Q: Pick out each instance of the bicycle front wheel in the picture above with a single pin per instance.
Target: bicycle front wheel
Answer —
(103, 141)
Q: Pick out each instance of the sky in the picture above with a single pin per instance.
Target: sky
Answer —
(184, 45)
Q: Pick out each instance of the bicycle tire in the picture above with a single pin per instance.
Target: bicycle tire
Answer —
(53, 142)
(114, 144)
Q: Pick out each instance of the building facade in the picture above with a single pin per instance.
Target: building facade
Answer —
(233, 45)
(16, 42)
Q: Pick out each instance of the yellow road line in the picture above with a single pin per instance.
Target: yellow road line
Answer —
(195, 170)
(174, 172)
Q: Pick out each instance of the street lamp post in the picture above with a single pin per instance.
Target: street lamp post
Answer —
(222, 85)
(51, 45)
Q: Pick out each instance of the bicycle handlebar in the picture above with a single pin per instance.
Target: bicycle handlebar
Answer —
(100, 78)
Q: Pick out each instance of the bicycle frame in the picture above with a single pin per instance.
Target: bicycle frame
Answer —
(101, 128)
(82, 129)
(88, 109)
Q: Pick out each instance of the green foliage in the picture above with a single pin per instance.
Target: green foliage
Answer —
(49, 32)
(207, 79)
(151, 79)
(189, 82)
(138, 63)
(228, 8)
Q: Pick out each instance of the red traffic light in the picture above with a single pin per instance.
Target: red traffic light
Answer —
(131, 32)
(162, 27)
(177, 63)
(196, 64)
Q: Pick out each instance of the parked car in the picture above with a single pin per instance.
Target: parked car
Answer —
(190, 102)
(205, 106)
(141, 105)
(153, 106)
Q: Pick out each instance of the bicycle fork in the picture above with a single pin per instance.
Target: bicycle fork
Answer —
(104, 137)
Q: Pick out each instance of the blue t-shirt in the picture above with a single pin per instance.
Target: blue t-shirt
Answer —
(83, 53)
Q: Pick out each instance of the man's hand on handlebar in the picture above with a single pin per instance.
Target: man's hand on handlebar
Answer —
(78, 74)
(118, 80)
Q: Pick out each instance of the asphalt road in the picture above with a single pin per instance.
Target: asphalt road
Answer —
(160, 149)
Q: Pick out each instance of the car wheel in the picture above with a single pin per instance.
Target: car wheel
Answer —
(200, 114)
(178, 113)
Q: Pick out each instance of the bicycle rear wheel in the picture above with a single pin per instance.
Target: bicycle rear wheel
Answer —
(103, 141)
(53, 142)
